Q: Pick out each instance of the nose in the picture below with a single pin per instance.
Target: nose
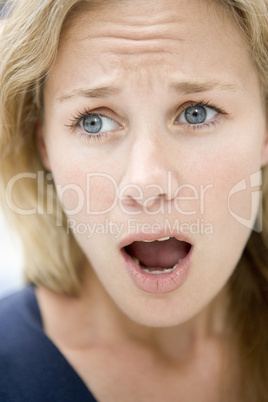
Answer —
(150, 174)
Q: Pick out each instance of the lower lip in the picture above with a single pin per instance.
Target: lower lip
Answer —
(159, 283)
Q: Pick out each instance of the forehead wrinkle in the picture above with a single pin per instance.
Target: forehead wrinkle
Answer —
(134, 33)
(112, 45)
(142, 28)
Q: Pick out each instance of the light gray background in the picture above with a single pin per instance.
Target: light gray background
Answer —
(11, 259)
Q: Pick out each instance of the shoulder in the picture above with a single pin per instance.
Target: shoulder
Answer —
(18, 313)
(19, 317)
(15, 303)
(31, 367)
(20, 324)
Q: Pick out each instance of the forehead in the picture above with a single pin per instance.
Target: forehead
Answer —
(140, 18)
(142, 21)
(153, 40)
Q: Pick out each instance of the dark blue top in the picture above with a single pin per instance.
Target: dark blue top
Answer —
(32, 369)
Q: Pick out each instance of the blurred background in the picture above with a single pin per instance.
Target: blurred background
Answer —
(2, 5)
(11, 259)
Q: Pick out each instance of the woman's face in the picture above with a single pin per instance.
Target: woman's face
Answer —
(154, 128)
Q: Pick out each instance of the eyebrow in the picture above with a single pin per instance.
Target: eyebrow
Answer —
(182, 87)
(102, 92)
(197, 87)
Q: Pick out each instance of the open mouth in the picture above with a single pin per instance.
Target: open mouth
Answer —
(159, 256)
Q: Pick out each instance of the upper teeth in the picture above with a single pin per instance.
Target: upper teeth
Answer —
(161, 239)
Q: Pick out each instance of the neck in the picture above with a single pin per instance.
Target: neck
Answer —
(93, 319)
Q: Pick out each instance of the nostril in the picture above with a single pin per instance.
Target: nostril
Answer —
(135, 196)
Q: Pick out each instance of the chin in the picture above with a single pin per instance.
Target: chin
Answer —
(160, 311)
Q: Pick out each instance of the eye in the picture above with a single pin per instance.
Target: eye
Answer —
(197, 114)
(96, 123)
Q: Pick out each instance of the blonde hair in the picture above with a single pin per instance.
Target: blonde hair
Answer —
(28, 49)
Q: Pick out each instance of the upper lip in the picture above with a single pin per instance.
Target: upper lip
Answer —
(141, 236)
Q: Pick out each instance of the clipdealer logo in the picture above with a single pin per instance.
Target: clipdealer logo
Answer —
(192, 204)
(187, 199)
(253, 222)
(116, 229)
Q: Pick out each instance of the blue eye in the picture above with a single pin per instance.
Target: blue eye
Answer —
(197, 114)
(95, 124)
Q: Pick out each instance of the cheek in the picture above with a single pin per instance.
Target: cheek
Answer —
(86, 191)
(232, 203)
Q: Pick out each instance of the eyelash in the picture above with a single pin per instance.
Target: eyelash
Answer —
(76, 120)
